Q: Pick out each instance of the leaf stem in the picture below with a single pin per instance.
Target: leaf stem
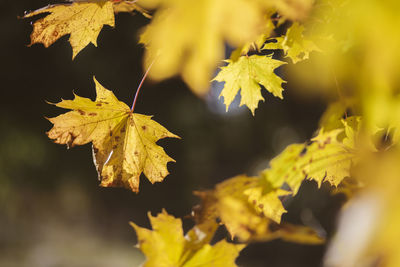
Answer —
(140, 85)
(339, 91)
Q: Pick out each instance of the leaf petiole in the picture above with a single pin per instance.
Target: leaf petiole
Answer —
(140, 85)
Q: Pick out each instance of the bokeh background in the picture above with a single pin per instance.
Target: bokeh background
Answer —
(52, 211)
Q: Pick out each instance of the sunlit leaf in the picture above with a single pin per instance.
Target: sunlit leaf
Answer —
(238, 204)
(166, 245)
(294, 44)
(247, 74)
(266, 200)
(327, 158)
(124, 143)
(83, 20)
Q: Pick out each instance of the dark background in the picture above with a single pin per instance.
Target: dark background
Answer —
(52, 211)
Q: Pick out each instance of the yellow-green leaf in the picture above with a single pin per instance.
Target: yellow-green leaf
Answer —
(328, 158)
(294, 44)
(247, 74)
(166, 246)
(330, 119)
(124, 143)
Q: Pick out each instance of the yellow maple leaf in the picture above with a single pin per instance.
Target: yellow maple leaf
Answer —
(124, 143)
(249, 216)
(294, 44)
(228, 203)
(328, 157)
(83, 20)
(166, 245)
(330, 119)
(247, 74)
(265, 199)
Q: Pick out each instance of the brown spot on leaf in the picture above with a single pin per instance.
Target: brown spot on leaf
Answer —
(105, 179)
(287, 228)
(254, 202)
(117, 138)
(144, 127)
(303, 152)
(70, 142)
(115, 147)
(81, 112)
(123, 129)
(273, 227)
(261, 206)
(117, 183)
(328, 140)
(326, 174)
(92, 114)
(248, 229)
(98, 104)
(136, 153)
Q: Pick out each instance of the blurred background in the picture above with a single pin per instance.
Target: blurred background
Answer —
(52, 211)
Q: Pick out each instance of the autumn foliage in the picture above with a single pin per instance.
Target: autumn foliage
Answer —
(355, 150)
